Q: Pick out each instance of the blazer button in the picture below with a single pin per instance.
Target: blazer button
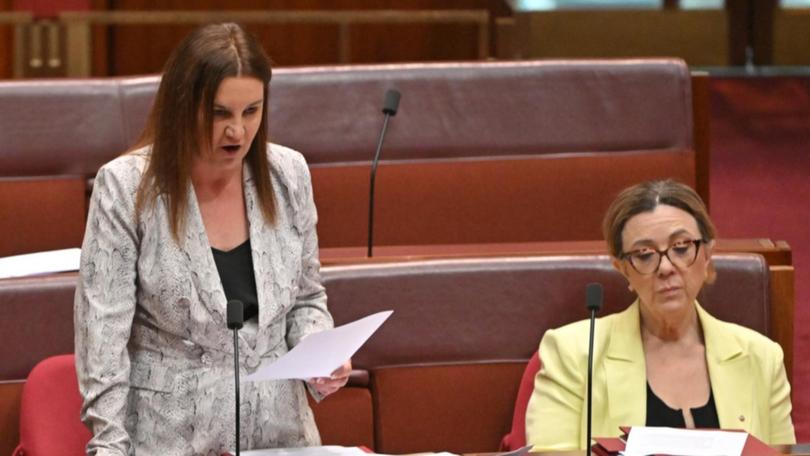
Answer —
(741, 418)
(205, 358)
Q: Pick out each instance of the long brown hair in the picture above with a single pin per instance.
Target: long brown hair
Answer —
(182, 114)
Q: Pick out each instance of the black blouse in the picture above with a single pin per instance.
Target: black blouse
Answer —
(659, 413)
(235, 269)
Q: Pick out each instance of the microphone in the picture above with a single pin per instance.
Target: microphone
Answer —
(236, 317)
(593, 302)
(390, 105)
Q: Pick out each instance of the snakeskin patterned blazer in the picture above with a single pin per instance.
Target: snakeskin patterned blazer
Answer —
(154, 357)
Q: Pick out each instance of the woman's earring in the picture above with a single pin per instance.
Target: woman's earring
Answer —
(630, 287)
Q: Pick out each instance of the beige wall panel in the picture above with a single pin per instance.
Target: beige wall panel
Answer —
(791, 37)
(699, 37)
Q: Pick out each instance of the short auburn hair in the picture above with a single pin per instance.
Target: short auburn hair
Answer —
(645, 197)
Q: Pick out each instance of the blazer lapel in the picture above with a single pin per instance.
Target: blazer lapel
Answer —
(729, 373)
(625, 370)
(264, 245)
(198, 250)
(206, 277)
(206, 280)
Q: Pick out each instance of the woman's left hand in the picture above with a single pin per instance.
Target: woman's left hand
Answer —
(328, 385)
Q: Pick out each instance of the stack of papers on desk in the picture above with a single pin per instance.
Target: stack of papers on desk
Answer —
(660, 440)
(347, 451)
(322, 450)
(307, 451)
(642, 441)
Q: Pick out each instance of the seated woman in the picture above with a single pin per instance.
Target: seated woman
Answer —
(664, 361)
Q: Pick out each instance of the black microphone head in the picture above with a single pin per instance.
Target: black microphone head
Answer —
(236, 314)
(593, 296)
(391, 102)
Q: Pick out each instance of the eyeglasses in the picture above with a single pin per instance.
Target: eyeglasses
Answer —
(681, 254)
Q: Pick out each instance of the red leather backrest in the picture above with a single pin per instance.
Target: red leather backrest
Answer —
(479, 152)
(517, 435)
(50, 421)
(484, 109)
(497, 309)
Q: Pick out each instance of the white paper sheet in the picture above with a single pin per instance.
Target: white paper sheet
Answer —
(40, 263)
(332, 450)
(519, 452)
(319, 354)
(321, 450)
(688, 442)
(306, 451)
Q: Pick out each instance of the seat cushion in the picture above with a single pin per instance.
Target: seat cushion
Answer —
(50, 421)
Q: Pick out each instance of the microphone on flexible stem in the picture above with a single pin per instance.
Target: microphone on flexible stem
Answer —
(593, 301)
(236, 317)
(389, 109)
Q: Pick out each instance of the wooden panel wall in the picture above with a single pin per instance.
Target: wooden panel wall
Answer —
(791, 37)
(715, 37)
(144, 49)
(699, 37)
(6, 44)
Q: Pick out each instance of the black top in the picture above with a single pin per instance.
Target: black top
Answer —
(659, 413)
(236, 273)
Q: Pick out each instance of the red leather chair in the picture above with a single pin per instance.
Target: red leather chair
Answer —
(49, 413)
(516, 438)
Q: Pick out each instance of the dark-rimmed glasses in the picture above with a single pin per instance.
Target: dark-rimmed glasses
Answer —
(647, 260)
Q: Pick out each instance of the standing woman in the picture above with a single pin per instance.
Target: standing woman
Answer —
(203, 211)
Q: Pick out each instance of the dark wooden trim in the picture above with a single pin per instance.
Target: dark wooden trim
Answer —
(761, 25)
(782, 305)
(701, 120)
(10, 394)
(739, 30)
(100, 35)
(6, 44)
(776, 253)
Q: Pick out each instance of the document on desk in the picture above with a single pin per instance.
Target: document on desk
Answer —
(40, 263)
(519, 452)
(319, 354)
(307, 451)
(688, 442)
(329, 450)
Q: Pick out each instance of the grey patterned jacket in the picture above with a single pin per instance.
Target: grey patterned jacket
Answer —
(154, 357)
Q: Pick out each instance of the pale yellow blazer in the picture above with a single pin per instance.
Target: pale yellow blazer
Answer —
(746, 371)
